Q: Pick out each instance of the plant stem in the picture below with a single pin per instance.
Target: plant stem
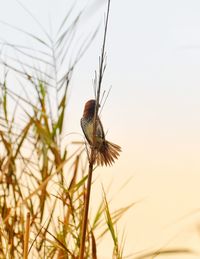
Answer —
(86, 209)
(93, 151)
(26, 236)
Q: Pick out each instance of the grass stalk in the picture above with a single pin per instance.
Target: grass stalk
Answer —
(37, 172)
(26, 236)
(92, 155)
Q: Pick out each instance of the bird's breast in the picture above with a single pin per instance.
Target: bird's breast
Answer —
(89, 130)
(88, 127)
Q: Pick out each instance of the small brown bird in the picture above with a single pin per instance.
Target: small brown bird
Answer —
(107, 152)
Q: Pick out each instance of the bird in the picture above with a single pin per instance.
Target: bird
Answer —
(105, 151)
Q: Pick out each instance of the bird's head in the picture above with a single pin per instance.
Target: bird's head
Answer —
(89, 108)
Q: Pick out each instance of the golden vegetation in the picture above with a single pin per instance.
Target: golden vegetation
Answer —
(44, 186)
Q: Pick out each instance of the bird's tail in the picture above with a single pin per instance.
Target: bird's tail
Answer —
(107, 153)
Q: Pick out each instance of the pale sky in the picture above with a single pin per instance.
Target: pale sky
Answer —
(153, 110)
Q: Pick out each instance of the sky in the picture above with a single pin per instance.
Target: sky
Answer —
(152, 111)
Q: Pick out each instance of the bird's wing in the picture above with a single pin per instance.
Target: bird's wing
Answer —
(87, 128)
(99, 130)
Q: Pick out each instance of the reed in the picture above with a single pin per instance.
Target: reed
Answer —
(45, 186)
(43, 183)
(92, 154)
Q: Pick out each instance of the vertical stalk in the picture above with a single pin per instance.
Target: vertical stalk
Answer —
(92, 155)
(26, 236)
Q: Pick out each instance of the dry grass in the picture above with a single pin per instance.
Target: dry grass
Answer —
(45, 188)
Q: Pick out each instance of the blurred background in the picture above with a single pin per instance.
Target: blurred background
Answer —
(152, 111)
